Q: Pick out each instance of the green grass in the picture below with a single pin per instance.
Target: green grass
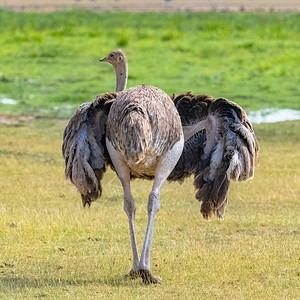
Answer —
(49, 61)
(51, 248)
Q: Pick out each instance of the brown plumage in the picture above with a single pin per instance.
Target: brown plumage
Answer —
(84, 147)
(220, 145)
(143, 123)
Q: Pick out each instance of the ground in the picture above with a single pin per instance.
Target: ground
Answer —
(52, 248)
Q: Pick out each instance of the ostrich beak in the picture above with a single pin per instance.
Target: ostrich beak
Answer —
(103, 59)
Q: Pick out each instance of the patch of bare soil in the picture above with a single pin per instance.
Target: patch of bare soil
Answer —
(14, 120)
(154, 5)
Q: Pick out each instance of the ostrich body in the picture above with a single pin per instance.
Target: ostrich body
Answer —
(142, 132)
(144, 139)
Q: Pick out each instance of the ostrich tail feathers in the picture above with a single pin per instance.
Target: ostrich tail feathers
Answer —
(212, 193)
(84, 147)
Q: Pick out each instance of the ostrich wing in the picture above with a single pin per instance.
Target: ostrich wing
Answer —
(220, 145)
(84, 147)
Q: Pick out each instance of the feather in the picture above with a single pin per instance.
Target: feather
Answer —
(142, 124)
(220, 145)
(84, 148)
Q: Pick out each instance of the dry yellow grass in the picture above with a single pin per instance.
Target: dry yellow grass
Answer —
(51, 248)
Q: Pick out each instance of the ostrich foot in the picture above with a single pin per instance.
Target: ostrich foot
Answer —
(148, 278)
(145, 275)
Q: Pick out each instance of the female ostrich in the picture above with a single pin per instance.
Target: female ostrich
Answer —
(140, 132)
(144, 139)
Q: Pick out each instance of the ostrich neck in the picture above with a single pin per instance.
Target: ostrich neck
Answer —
(121, 75)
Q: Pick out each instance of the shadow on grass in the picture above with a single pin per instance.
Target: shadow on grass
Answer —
(43, 157)
(11, 283)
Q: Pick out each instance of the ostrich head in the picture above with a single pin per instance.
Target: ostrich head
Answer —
(115, 58)
(119, 62)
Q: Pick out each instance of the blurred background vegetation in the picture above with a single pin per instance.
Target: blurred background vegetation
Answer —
(49, 62)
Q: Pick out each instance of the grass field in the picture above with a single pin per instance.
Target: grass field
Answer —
(52, 248)
(49, 62)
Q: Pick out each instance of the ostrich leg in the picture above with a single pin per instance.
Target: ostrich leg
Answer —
(164, 167)
(129, 203)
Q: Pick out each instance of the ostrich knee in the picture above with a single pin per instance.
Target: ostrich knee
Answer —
(153, 205)
(129, 206)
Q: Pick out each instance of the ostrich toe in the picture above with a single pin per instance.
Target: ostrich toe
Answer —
(148, 278)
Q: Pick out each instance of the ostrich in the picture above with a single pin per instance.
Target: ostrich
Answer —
(139, 133)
